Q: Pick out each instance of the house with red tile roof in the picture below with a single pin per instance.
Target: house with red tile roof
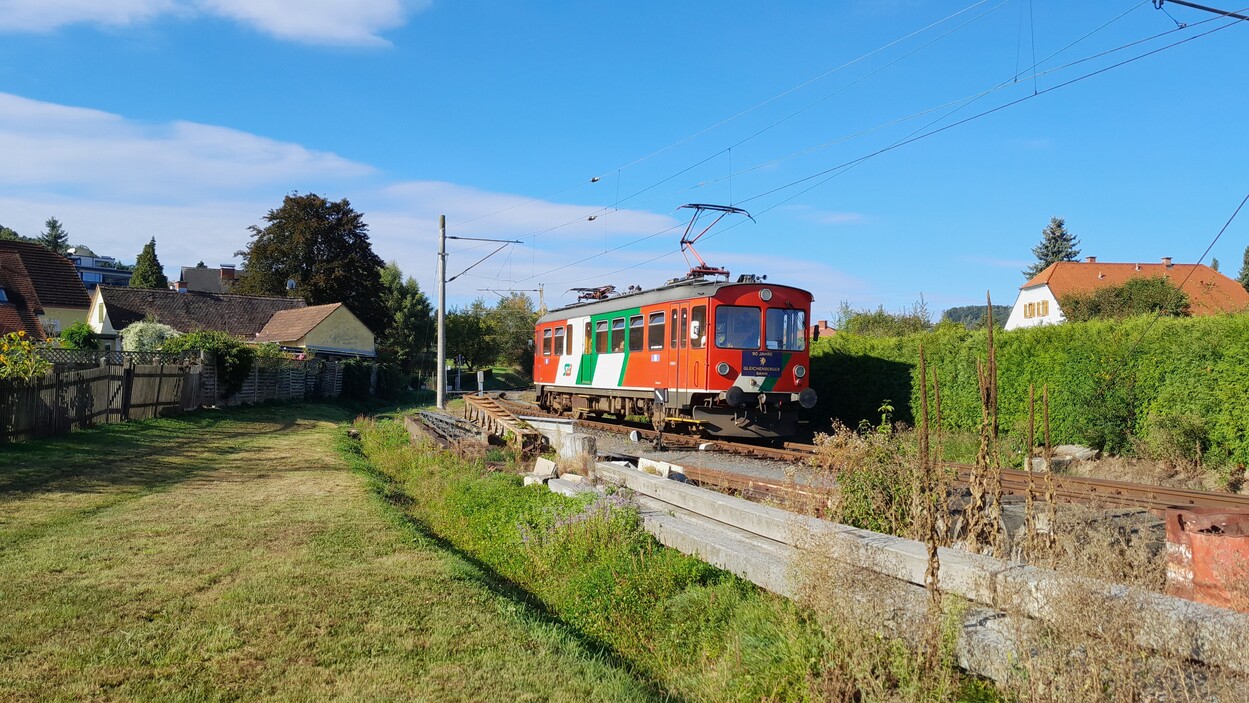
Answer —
(42, 293)
(326, 330)
(1209, 291)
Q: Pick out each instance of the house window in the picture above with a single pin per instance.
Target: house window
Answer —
(546, 342)
(655, 331)
(635, 333)
(1029, 310)
(559, 340)
(99, 313)
(1043, 308)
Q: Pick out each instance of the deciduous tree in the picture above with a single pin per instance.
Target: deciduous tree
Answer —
(323, 247)
(54, 236)
(411, 327)
(1057, 244)
(148, 273)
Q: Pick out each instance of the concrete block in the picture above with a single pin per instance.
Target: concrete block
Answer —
(568, 488)
(534, 479)
(574, 478)
(656, 468)
(545, 468)
(578, 446)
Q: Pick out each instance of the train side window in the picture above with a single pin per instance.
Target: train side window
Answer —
(568, 341)
(655, 333)
(600, 336)
(698, 326)
(546, 342)
(635, 333)
(672, 343)
(559, 340)
(685, 327)
(618, 334)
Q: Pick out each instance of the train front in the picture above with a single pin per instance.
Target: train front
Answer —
(758, 360)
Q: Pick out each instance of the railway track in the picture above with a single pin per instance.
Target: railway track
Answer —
(1068, 489)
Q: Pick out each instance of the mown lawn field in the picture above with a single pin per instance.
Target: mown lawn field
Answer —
(233, 555)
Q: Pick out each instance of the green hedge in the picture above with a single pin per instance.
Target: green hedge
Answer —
(1162, 386)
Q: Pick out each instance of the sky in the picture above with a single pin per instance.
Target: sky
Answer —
(890, 151)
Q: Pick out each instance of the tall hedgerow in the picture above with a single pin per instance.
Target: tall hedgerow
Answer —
(1158, 385)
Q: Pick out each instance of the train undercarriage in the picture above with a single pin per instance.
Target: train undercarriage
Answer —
(758, 416)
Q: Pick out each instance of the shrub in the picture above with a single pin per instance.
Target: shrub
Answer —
(79, 336)
(146, 336)
(269, 355)
(232, 358)
(1138, 296)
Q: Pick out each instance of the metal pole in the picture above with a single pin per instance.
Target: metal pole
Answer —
(442, 313)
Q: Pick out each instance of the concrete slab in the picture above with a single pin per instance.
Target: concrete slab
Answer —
(568, 488)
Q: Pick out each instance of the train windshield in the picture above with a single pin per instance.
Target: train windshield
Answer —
(737, 327)
(787, 329)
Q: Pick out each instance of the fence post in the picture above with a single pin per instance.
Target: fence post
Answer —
(127, 386)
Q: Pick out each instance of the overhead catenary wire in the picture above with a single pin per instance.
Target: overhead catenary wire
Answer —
(836, 170)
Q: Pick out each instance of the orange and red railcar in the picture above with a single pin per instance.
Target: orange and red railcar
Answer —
(731, 358)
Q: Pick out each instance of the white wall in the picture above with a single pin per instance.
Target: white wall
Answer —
(1042, 301)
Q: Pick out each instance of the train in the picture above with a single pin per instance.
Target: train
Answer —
(727, 359)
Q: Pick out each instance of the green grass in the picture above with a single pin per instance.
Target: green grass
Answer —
(234, 555)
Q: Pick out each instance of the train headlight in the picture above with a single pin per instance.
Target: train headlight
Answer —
(723, 368)
(800, 371)
(765, 294)
(807, 398)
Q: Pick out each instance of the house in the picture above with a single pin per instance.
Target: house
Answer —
(114, 308)
(95, 270)
(320, 330)
(325, 330)
(42, 284)
(821, 329)
(1209, 291)
(203, 279)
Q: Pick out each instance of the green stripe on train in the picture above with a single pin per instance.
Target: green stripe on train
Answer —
(770, 382)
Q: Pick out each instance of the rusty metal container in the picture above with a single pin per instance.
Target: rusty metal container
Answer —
(1208, 556)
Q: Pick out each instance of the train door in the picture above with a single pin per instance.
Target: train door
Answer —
(686, 349)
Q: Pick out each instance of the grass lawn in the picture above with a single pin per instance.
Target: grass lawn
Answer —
(234, 555)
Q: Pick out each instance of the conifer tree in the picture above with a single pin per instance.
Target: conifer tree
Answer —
(1057, 244)
(1243, 278)
(54, 236)
(148, 273)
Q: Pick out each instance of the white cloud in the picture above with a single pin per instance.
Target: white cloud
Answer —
(115, 182)
(359, 22)
(94, 153)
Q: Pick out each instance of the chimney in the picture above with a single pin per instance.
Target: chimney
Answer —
(227, 272)
(180, 286)
(1166, 261)
(1091, 260)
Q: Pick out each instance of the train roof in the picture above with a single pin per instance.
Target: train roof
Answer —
(678, 289)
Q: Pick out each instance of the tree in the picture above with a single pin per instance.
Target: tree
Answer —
(54, 236)
(972, 316)
(11, 235)
(79, 336)
(1138, 296)
(1243, 278)
(411, 326)
(324, 248)
(148, 273)
(882, 323)
(1057, 244)
(511, 325)
(468, 334)
(1214, 263)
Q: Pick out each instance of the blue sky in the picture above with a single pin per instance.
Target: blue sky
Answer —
(187, 120)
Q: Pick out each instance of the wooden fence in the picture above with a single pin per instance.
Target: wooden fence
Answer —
(71, 400)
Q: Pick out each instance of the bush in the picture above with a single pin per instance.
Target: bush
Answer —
(146, 336)
(232, 358)
(79, 336)
(19, 358)
(1118, 385)
(1138, 296)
